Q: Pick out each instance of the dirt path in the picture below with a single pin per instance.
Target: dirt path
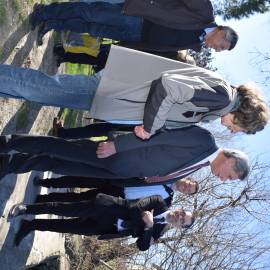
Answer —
(18, 48)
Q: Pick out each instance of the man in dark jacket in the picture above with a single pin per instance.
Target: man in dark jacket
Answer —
(153, 26)
(108, 216)
(167, 157)
(185, 186)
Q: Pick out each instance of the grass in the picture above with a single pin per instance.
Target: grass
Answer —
(1, 54)
(15, 5)
(71, 117)
(22, 117)
(3, 13)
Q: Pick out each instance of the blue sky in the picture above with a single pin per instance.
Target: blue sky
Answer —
(238, 66)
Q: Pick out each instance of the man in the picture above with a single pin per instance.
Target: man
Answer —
(167, 157)
(185, 186)
(108, 216)
(153, 97)
(152, 26)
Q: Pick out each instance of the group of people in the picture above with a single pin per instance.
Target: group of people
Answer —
(149, 117)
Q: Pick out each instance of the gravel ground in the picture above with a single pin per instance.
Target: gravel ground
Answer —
(18, 48)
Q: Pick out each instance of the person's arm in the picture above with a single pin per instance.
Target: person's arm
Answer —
(190, 84)
(127, 142)
(199, 6)
(145, 240)
(163, 94)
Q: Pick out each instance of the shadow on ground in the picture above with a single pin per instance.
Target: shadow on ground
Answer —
(13, 40)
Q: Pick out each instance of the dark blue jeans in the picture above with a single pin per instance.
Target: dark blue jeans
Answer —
(100, 19)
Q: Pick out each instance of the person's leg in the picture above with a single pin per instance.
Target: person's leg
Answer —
(98, 12)
(79, 58)
(107, 1)
(22, 163)
(73, 150)
(92, 130)
(98, 19)
(68, 209)
(70, 91)
(74, 226)
(128, 33)
(64, 197)
(89, 195)
(72, 182)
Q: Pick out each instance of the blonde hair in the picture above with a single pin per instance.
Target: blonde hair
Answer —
(252, 115)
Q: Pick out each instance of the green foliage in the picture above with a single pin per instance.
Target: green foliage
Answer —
(22, 117)
(1, 54)
(238, 9)
(70, 117)
(79, 69)
(3, 14)
(15, 5)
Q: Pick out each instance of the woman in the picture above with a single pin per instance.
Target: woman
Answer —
(149, 97)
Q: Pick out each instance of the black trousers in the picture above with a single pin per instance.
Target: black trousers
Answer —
(45, 153)
(93, 130)
(81, 226)
(87, 213)
(98, 62)
(22, 163)
(83, 209)
(82, 196)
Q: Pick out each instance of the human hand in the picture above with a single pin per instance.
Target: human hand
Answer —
(141, 133)
(105, 149)
(153, 179)
(148, 218)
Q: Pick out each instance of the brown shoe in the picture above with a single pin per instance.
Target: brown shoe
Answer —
(57, 124)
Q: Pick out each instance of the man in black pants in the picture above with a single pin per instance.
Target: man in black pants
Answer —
(97, 129)
(167, 157)
(185, 186)
(108, 216)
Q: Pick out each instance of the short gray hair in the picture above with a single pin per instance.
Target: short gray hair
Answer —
(230, 35)
(242, 164)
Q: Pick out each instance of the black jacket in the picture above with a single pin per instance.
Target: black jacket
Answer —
(109, 209)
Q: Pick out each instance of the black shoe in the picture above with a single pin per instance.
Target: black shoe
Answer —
(23, 231)
(58, 49)
(34, 15)
(57, 125)
(42, 31)
(4, 161)
(39, 199)
(59, 60)
(17, 210)
(37, 181)
(40, 182)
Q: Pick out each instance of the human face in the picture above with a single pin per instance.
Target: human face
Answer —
(225, 170)
(216, 40)
(186, 186)
(228, 121)
(179, 218)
